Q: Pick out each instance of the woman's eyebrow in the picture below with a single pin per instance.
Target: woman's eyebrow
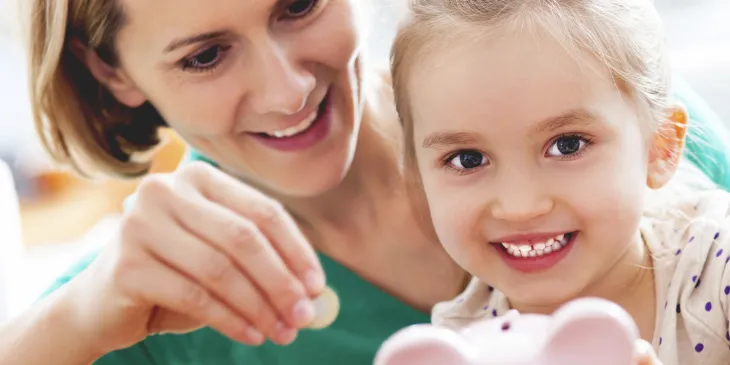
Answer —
(182, 42)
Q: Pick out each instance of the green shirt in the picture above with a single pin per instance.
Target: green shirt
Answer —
(368, 315)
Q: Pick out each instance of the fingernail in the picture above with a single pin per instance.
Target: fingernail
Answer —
(254, 335)
(303, 312)
(314, 281)
(284, 334)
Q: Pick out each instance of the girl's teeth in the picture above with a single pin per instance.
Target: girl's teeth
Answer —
(536, 249)
(291, 131)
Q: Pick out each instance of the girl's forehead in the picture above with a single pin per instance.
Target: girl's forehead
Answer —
(515, 79)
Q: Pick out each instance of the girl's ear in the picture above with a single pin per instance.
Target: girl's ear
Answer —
(113, 79)
(667, 146)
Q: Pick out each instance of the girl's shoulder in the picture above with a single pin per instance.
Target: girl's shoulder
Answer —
(690, 247)
(688, 221)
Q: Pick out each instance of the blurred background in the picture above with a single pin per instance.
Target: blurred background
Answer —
(49, 217)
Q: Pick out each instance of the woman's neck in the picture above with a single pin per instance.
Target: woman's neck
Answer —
(368, 224)
(629, 283)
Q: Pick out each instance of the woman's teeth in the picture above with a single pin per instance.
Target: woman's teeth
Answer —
(294, 130)
(537, 249)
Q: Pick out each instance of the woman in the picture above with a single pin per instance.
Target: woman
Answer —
(279, 95)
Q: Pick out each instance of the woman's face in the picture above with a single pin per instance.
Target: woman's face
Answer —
(269, 89)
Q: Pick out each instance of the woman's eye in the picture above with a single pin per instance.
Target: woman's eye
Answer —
(566, 146)
(204, 60)
(300, 8)
(466, 160)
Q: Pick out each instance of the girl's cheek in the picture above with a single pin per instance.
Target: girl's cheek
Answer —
(453, 226)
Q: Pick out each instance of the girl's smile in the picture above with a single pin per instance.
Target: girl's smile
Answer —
(532, 253)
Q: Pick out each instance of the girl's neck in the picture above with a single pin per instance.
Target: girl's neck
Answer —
(629, 283)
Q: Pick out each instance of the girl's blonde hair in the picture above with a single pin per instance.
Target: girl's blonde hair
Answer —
(79, 121)
(626, 36)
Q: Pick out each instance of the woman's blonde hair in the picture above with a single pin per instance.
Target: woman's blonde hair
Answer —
(626, 36)
(79, 121)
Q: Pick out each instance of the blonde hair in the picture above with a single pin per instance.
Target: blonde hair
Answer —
(625, 35)
(79, 121)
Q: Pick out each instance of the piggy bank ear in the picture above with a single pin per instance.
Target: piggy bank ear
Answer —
(591, 331)
(423, 345)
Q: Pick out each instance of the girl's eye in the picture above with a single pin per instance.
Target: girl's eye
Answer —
(467, 160)
(205, 60)
(301, 8)
(566, 146)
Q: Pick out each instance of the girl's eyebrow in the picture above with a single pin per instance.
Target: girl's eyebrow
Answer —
(449, 139)
(572, 118)
(579, 117)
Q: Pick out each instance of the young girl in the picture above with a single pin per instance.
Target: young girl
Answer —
(541, 133)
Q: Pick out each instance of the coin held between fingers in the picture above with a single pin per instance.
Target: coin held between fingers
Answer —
(326, 309)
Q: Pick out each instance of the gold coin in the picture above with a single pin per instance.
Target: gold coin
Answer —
(326, 309)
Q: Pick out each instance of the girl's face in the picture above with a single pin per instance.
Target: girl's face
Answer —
(267, 88)
(533, 162)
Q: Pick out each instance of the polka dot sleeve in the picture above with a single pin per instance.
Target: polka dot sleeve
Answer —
(693, 281)
(722, 255)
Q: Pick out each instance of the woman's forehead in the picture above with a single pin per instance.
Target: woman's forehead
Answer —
(156, 22)
(184, 14)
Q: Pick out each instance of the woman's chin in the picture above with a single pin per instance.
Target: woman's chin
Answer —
(310, 178)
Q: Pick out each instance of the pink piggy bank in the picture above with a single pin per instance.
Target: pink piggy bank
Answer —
(585, 331)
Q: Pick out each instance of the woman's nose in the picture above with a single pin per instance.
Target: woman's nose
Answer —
(281, 84)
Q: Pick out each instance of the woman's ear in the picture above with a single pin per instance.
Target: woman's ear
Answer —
(667, 146)
(114, 79)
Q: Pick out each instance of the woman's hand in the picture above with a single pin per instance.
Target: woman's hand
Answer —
(645, 354)
(198, 248)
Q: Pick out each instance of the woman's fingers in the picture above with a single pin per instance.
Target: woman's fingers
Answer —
(249, 248)
(216, 272)
(171, 291)
(270, 218)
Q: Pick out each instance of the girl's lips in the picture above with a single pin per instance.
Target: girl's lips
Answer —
(529, 261)
(528, 237)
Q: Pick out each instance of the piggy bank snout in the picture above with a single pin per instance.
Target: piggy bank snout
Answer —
(423, 345)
